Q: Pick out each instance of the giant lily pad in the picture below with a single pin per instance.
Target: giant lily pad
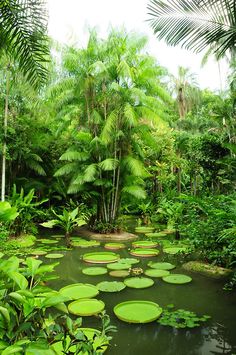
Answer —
(137, 311)
(130, 261)
(174, 250)
(48, 241)
(101, 257)
(144, 244)
(85, 243)
(145, 253)
(144, 229)
(177, 279)
(111, 286)
(156, 273)
(161, 265)
(79, 290)
(93, 335)
(119, 273)
(54, 256)
(118, 266)
(138, 282)
(39, 252)
(155, 235)
(114, 246)
(86, 307)
(93, 271)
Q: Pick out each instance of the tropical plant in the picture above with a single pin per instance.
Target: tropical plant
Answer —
(196, 24)
(7, 213)
(68, 221)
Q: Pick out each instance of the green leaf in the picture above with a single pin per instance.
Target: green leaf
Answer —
(12, 350)
(19, 279)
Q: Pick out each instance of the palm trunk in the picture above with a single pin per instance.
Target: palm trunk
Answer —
(68, 242)
(4, 146)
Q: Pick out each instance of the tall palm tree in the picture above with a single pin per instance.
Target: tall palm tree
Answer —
(195, 24)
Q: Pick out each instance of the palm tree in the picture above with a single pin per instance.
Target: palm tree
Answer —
(111, 99)
(196, 24)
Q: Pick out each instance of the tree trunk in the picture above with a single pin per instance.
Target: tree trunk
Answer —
(68, 242)
(4, 146)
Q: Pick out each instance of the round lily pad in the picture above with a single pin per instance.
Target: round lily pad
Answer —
(54, 256)
(114, 246)
(138, 282)
(118, 266)
(93, 335)
(137, 311)
(177, 279)
(130, 261)
(145, 253)
(111, 286)
(161, 265)
(38, 252)
(85, 243)
(144, 229)
(144, 244)
(119, 273)
(79, 290)
(48, 241)
(155, 235)
(101, 257)
(86, 307)
(156, 273)
(174, 250)
(93, 271)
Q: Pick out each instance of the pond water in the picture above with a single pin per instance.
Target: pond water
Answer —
(203, 296)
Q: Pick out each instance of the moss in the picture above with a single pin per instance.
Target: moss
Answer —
(207, 269)
(24, 241)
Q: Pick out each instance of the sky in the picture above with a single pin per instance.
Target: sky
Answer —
(70, 20)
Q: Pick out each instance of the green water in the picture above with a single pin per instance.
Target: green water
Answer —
(203, 296)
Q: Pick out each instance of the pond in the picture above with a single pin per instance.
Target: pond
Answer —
(203, 296)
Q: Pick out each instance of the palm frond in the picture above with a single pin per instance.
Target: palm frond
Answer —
(135, 166)
(109, 164)
(74, 155)
(90, 173)
(195, 24)
(135, 191)
(66, 169)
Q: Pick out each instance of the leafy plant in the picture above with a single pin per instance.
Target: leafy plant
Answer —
(181, 318)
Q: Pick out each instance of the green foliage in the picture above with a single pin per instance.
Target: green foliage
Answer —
(7, 213)
(181, 318)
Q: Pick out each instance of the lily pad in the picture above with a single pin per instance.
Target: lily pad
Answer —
(118, 266)
(138, 282)
(85, 243)
(174, 250)
(144, 244)
(145, 253)
(138, 311)
(177, 279)
(38, 252)
(48, 241)
(101, 257)
(86, 307)
(130, 261)
(54, 256)
(114, 246)
(119, 273)
(58, 236)
(79, 290)
(144, 229)
(94, 271)
(156, 273)
(111, 286)
(161, 265)
(155, 235)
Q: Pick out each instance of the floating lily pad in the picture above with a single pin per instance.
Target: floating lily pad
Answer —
(144, 229)
(177, 279)
(174, 250)
(156, 273)
(130, 261)
(161, 265)
(137, 311)
(101, 257)
(79, 290)
(138, 282)
(93, 271)
(38, 252)
(145, 253)
(144, 244)
(118, 266)
(86, 307)
(155, 235)
(114, 246)
(54, 256)
(58, 236)
(85, 243)
(111, 286)
(93, 335)
(119, 273)
(48, 241)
